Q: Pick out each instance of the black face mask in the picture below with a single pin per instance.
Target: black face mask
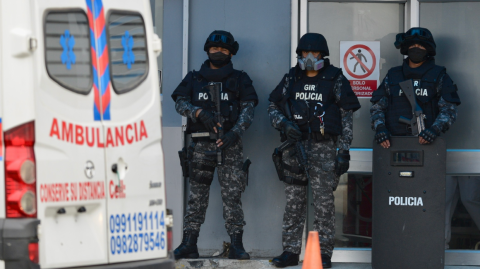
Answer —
(218, 59)
(417, 55)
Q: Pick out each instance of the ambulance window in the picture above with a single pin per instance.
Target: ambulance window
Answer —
(67, 50)
(128, 50)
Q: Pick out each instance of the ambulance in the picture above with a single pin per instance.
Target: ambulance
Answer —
(82, 167)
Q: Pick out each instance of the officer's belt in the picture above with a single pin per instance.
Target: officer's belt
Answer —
(198, 139)
(201, 136)
(318, 136)
(291, 180)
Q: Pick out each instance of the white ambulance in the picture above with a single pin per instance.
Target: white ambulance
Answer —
(82, 174)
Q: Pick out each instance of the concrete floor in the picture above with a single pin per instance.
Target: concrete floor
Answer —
(264, 264)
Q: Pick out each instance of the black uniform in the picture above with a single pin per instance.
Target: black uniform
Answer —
(237, 89)
(436, 94)
(237, 102)
(324, 101)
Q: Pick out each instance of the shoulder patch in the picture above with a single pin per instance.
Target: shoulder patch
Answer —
(433, 75)
(395, 75)
(231, 84)
(196, 75)
(292, 73)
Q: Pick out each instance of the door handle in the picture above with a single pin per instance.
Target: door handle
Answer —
(120, 169)
(114, 168)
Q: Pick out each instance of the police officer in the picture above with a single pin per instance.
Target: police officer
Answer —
(434, 89)
(438, 98)
(238, 100)
(313, 104)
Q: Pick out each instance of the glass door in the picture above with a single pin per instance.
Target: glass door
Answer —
(454, 27)
(350, 21)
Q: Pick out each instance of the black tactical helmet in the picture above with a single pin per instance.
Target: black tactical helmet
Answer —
(416, 35)
(224, 39)
(313, 42)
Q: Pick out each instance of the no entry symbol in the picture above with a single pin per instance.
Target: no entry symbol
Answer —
(351, 55)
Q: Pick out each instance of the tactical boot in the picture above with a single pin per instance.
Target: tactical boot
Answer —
(326, 261)
(236, 248)
(286, 259)
(188, 247)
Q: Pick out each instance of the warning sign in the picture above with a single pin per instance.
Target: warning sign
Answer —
(360, 61)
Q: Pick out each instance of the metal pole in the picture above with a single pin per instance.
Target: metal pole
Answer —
(414, 14)
(294, 33)
(185, 50)
(184, 73)
(303, 17)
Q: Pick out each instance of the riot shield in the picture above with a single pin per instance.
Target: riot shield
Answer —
(408, 229)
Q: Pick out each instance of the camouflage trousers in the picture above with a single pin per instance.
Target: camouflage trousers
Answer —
(232, 181)
(321, 159)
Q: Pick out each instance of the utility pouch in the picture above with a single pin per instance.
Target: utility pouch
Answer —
(277, 161)
(245, 168)
(184, 161)
(280, 166)
(200, 177)
(203, 180)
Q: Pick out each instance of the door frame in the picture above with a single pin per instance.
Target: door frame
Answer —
(358, 165)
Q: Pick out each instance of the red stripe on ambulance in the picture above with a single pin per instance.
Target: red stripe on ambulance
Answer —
(90, 136)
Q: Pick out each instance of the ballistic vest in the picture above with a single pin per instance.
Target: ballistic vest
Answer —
(425, 93)
(312, 101)
(230, 105)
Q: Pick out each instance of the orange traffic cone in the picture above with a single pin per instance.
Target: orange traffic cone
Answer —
(313, 259)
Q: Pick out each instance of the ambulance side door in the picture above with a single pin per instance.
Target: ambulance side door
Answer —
(134, 157)
(70, 157)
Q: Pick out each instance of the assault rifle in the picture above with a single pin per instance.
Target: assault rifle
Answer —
(215, 89)
(417, 122)
(299, 148)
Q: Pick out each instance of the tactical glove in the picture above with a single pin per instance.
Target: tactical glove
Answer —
(382, 134)
(342, 162)
(429, 134)
(291, 131)
(208, 120)
(228, 139)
